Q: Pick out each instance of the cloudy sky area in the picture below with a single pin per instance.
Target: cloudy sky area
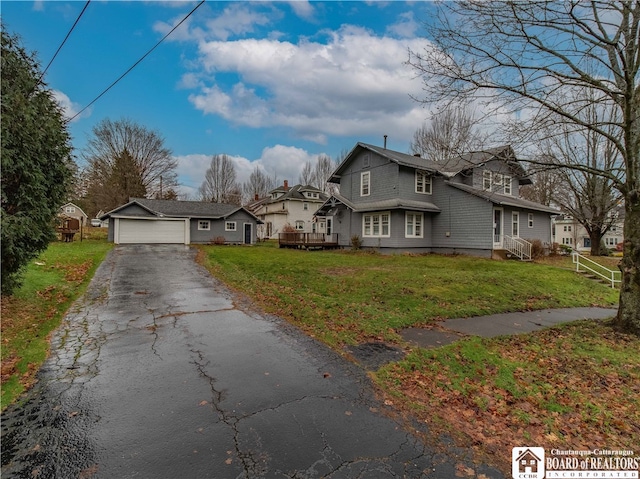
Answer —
(268, 83)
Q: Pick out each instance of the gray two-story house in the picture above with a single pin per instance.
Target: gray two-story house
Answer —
(398, 202)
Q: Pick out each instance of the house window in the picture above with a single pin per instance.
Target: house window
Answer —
(299, 225)
(567, 228)
(365, 161)
(497, 179)
(204, 225)
(365, 178)
(69, 209)
(376, 225)
(515, 223)
(530, 220)
(507, 185)
(423, 182)
(568, 241)
(413, 225)
(305, 206)
(230, 226)
(486, 180)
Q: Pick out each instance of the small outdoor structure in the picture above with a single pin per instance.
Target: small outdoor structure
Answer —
(308, 240)
(67, 227)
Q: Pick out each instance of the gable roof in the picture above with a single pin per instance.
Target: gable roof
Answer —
(503, 200)
(448, 169)
(61, 209)
(296, 193)
(181, 209)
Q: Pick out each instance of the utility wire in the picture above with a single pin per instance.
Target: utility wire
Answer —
(63, 42)
(136, 63)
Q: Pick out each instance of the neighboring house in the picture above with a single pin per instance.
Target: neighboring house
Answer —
(185, 222)
(567, 231)
(294, 206)
(70, 210)
(398, 202)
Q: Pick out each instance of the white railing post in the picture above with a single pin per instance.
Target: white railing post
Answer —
(609, 276)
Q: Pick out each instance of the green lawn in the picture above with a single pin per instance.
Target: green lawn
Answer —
(51, 283)
(346, 297)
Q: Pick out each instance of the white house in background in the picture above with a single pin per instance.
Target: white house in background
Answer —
(294, 206)
(567, 231)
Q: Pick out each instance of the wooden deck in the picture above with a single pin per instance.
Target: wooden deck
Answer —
(308, 240)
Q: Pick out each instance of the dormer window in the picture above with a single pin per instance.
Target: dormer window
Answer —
(507, 185)
(423, 182)
(497, 179)
(486, 180)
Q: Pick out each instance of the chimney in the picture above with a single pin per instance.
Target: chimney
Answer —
(286, 185)
(385, 142)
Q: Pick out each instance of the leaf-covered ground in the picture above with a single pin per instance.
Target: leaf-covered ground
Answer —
(572, 387)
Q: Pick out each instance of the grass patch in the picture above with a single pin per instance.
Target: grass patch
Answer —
(572, 387)
(51, 283)
(348, 297)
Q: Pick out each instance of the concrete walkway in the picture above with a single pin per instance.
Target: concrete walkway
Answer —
(451, 330)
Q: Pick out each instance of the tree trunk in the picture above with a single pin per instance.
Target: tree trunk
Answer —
(595, 236)
(628, 318)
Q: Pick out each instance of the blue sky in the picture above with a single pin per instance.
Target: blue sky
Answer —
(272, 84)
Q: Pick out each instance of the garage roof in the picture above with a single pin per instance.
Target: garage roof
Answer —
(180, 209)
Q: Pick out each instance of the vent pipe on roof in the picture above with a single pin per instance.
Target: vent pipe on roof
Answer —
(385, 142)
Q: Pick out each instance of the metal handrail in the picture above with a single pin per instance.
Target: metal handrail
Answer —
(611, 277)
(518, 246)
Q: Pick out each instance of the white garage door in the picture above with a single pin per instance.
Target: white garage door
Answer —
(151, 231)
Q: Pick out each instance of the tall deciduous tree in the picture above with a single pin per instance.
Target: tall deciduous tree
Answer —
(150, 165)
(219, 184)
(528, 58)
(258, 185)
(36, 162)
(306, 175)
(322, 172)
(452, 132)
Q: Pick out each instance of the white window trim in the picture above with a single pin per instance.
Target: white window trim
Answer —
(201, 225)
(530, 220)
(487, 176)
(498, 178)
(515, 220)
(426, 182)
(69, 209)
(507, 185)
(299, 223)
(230, 226)
(406, 224)
(379, 216)
(363, 175)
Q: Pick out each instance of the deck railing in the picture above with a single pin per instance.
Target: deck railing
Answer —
(609, 275)
(517, 246)
(307, 239)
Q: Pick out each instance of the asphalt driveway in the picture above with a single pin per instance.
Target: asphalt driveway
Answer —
(158, 373)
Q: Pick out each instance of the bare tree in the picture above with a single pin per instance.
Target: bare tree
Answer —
(528, 58)
(258, 185)
(148, 159)
(587, 196)
(306, 175)
(219, 184)
(544, 187)
(452, 132)
(322, 172)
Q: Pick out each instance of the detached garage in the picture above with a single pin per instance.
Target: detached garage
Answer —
(180, 222)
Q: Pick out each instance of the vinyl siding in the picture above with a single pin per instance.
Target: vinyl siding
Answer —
(467, 218)
(218, 229)
(383, 182)
(496, 166)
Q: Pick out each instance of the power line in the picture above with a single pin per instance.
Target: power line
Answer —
(136, 63)
(63, 42)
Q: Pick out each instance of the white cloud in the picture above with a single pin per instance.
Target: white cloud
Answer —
(69, 108)
(356, 83)
(303, 9)
(405, 27)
